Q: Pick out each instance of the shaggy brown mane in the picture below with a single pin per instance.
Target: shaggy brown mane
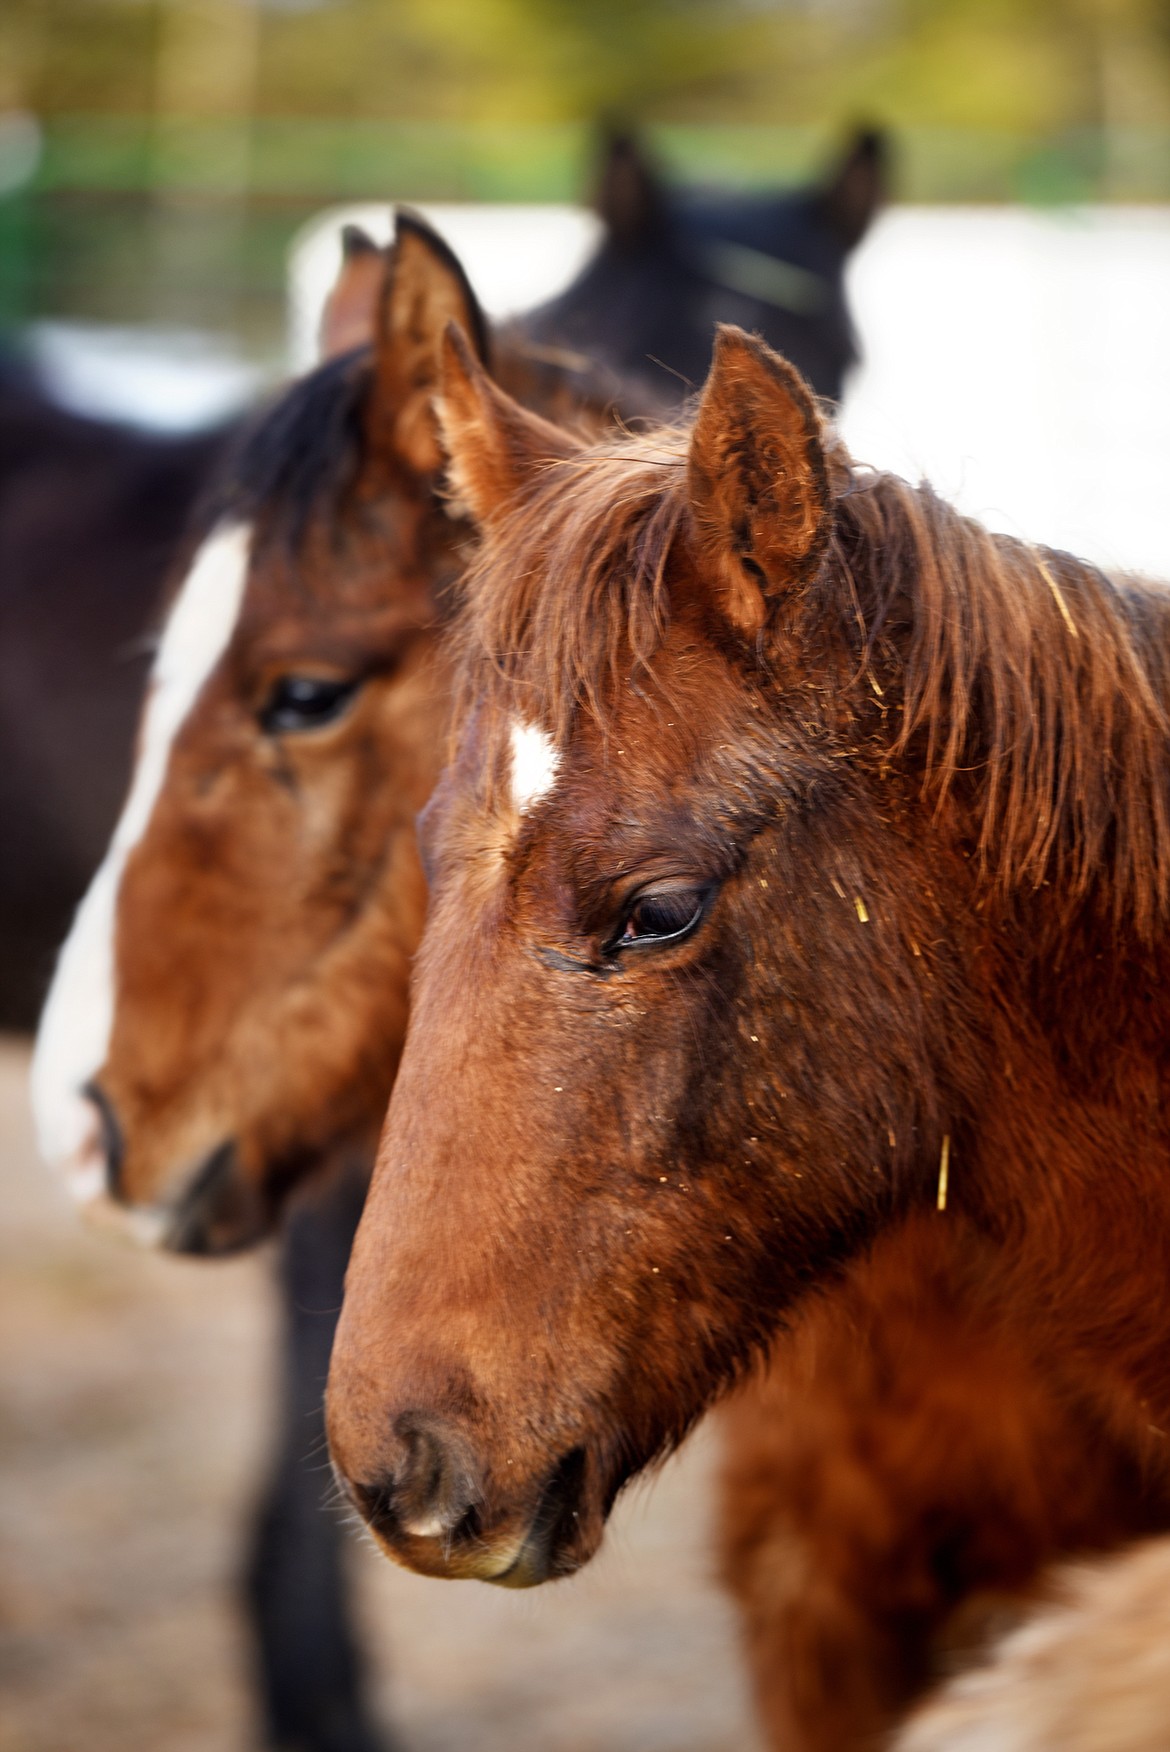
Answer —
(1028, 668)
(1023, 665)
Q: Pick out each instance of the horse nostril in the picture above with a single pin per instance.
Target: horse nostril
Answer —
(437, 1482)
(431, 1489)
(112, 1142)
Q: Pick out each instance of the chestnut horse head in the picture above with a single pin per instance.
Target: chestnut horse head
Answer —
(232, 1000)
(777, 786)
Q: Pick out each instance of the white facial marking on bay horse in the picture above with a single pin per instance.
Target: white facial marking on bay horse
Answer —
(535, 762)
(74, 1033)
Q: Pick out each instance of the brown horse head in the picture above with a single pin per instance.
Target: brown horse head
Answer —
(232, 1001)
(759, 763)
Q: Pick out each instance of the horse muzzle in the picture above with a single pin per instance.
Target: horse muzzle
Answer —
(432, 1512)
(218, 1209)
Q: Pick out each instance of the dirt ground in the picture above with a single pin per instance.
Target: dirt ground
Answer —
(134, 1396)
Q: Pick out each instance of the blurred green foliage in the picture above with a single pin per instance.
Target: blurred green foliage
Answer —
(261, 112)
(1027, 66)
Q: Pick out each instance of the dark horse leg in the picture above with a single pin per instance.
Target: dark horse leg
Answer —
(310, 1669)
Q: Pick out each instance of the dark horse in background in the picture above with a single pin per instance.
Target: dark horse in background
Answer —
(91, 518)
(673, 263)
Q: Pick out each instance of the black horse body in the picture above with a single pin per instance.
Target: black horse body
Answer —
(92, 519)
(91, 515)
(673, 264)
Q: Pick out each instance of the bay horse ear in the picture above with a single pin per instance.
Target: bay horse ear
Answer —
(351, 309)
(493, 444)
(424, 289)
(756, 478)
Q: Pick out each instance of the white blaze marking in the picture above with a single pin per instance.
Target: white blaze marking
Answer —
(74, 1033)
(535, 762)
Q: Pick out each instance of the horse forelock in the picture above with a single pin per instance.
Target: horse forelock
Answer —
(1022, 675)
(563, 597)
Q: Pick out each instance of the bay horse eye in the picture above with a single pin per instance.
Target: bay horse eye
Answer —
(305, 702)
(663, 917)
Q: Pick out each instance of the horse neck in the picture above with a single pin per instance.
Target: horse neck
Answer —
(1061, 1146)
(1068, 1160)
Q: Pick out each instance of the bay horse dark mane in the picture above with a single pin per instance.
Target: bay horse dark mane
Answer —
(296, 460)
(299, 455)
(1022, 674)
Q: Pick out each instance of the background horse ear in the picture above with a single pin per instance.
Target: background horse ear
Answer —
(350, 314)
(756, 478)
(424, 289)
(630, 197)
(493, 444)
(859, 187)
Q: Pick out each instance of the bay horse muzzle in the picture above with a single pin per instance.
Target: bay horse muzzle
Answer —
(219, 1209)
(430, 1511)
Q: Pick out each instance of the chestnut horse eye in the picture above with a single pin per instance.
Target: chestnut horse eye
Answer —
(664, 917)
(305, 702)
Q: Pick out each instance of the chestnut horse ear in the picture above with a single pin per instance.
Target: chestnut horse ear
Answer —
(756, 478)
(493, 444)
(424, 289)
(351, 309)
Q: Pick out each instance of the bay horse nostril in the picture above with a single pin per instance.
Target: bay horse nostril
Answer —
(113, 1143)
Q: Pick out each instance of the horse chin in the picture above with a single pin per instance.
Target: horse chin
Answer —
(519, 1561)
(562, 1534)
(543, 1559)
(138, 1225)
(220, 1212)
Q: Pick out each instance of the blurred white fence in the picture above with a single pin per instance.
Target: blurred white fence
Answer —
(1019, 360)
(516, 256)
(167, 378)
